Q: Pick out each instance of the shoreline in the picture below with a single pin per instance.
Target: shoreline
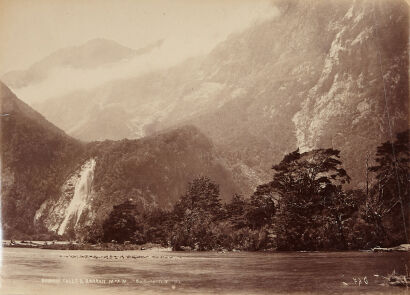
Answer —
(67, 245)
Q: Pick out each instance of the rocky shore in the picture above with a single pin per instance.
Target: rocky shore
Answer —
(67, 245)
(400, 248)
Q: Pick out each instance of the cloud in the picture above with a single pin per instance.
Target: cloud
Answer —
(175, 49)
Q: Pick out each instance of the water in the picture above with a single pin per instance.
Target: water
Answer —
(37, 271)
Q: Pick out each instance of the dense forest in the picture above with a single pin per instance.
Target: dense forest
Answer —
(307, 205)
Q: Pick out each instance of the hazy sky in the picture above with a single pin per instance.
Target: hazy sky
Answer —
(30, 30)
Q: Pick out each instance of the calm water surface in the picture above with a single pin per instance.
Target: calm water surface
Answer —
(36, 271)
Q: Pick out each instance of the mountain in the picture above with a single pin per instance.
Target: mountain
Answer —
(54, 183)
(153, 172)
(36, 158)
(92, 54)
(322, 74)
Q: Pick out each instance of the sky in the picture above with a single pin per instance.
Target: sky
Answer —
(31, 30)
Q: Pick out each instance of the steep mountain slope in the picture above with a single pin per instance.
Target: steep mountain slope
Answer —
(52, 182)
(322, 74)
(94, 53)
(36, 158)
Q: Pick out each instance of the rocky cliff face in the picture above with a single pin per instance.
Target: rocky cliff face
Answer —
(322, 74)
(361, 96)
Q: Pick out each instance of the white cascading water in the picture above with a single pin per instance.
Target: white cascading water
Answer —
(82, 191)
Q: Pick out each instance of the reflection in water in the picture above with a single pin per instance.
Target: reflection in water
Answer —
(35, 271)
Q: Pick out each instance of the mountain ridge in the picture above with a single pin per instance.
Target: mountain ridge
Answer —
(92, 54)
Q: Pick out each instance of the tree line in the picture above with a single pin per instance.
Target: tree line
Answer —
(307, 205)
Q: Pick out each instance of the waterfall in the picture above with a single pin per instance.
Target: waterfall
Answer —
(82, 192)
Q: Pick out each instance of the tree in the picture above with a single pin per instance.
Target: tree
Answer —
(202, 195)
(308, 185)
(121, 225)
(341, 210)
(236, 211)
(261, 209)
(388, 201)
(195, 215)
(91, 233)
(157, 226)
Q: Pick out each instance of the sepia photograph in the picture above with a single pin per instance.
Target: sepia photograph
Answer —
(204, 147)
